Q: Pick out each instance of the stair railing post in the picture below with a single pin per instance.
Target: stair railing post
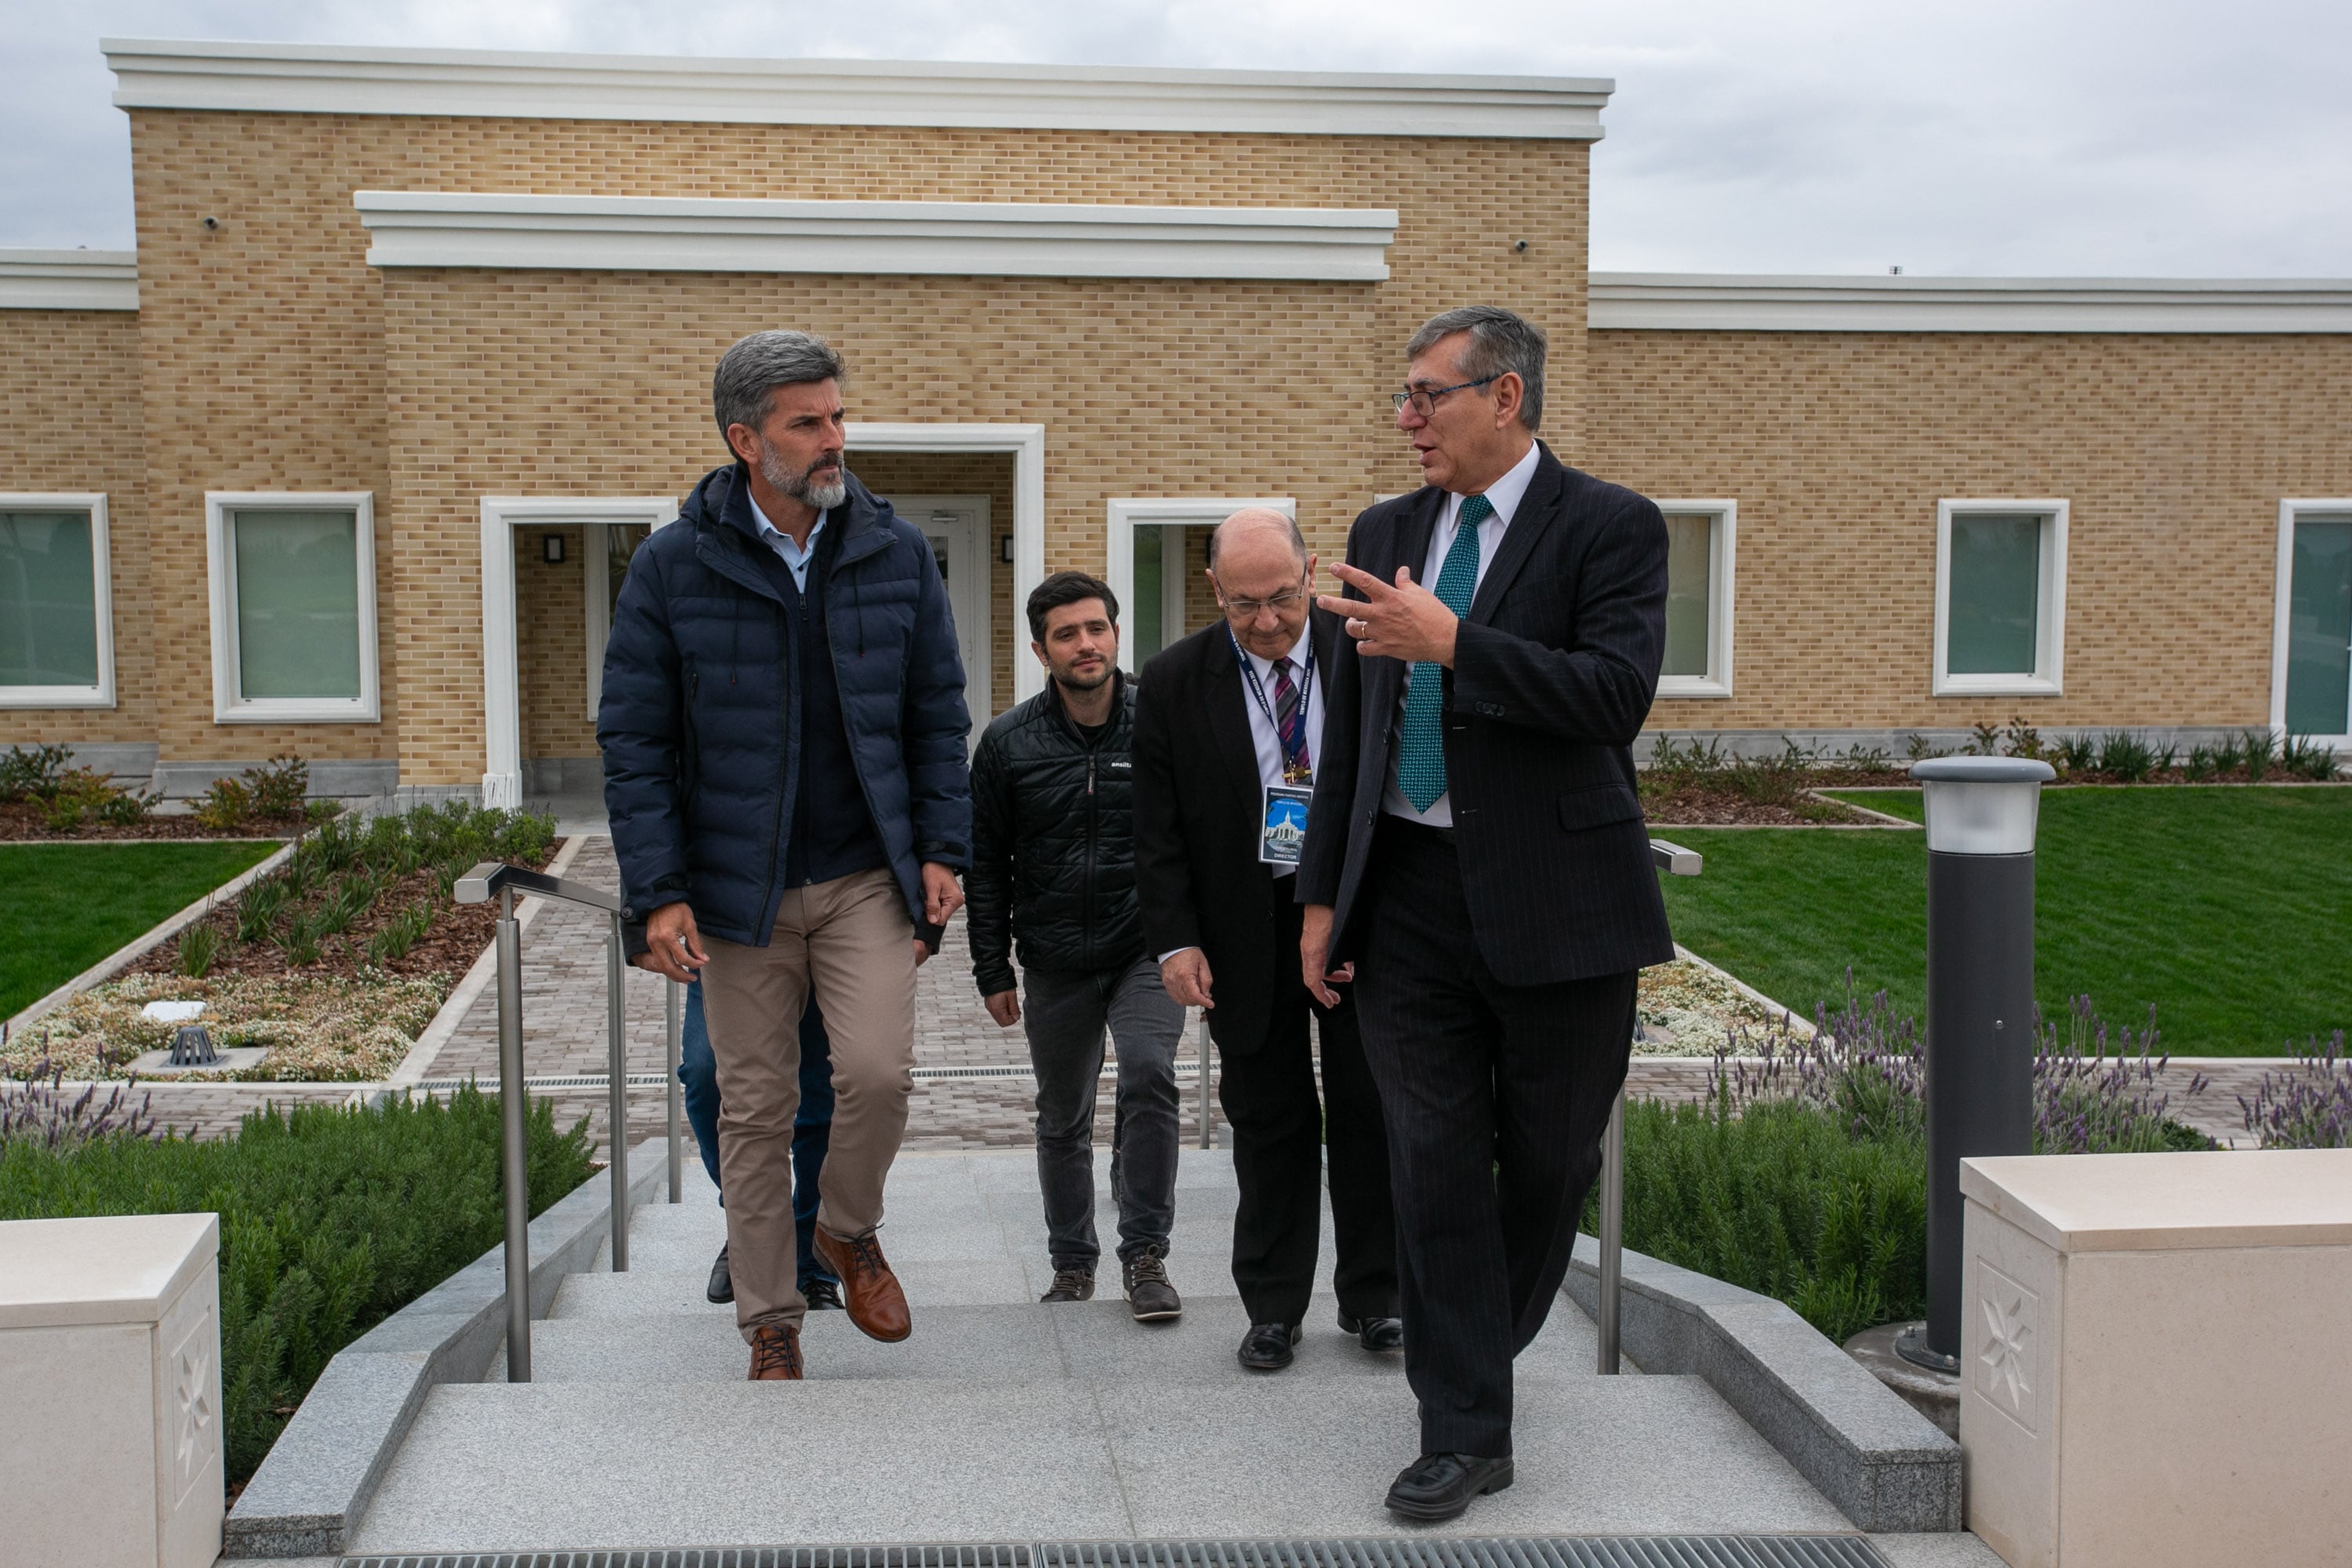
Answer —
(617, 1023)
(672, 1023)
(515, 1162)
(1612, 1236)
(1204, 1050)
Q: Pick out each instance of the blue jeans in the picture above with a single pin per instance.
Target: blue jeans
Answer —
(698, 1070)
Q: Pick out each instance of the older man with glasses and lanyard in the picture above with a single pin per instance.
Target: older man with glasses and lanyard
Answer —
(1228, 731)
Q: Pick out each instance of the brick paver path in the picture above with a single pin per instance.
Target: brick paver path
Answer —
(565, 1033)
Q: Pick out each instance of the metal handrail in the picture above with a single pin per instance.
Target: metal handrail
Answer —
(492, 879)
(1607, 1320)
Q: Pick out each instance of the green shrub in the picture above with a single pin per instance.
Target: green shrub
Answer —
(32, 772)
(278, 786)
(224, 807)
(199, 945)
(331, 1221)
(1779, 1199)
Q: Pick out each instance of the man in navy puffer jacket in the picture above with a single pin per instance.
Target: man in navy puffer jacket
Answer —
(783, 733)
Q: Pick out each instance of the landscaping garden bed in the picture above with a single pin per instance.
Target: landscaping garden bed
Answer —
(335, 960)
(42, 796)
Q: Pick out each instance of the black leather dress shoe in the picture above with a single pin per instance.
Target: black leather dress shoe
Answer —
(1267, 1346)
(722, 1285)
(822, 1295)
(1438, 1487)
(1374, 1333)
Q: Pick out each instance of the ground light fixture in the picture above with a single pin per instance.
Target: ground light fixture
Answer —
(1982, 815)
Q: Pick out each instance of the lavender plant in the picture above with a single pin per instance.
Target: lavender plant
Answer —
(2308, 1105)
(42, 1112)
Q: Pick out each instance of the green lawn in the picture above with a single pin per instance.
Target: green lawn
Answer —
(2231, 909)
(63, 907)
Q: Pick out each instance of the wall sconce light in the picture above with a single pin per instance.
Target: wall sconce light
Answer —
(551, 549)
(1004, 548)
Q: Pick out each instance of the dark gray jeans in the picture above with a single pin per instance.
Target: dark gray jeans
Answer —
(1065, 1014)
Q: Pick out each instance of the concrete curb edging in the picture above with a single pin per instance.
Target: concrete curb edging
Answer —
(309, 1495)
(1886, 1467)
(147, 941)
(476, 980)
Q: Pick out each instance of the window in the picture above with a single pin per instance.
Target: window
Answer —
(2311, 664)
(2001, 597)
(293, 607)
(57, 604)
(1700, 538)
(1147, 552)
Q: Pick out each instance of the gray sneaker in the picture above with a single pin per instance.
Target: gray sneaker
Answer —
(1150, 1298)
(1071, 1285)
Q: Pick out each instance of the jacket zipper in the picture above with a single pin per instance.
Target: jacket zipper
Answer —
(1087, 897)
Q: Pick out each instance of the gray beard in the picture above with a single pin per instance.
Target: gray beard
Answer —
(823, 497)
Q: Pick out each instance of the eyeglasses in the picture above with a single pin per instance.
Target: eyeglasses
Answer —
(1247, 609)
(1425, 401)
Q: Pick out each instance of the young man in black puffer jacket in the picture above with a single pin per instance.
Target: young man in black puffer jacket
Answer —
(1054, 875)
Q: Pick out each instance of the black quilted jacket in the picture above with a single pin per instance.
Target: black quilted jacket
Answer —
(1053, 869)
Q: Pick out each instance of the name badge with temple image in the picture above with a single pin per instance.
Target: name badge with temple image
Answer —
(1283, 833)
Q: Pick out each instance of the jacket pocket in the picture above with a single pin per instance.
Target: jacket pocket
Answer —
(1598, 806)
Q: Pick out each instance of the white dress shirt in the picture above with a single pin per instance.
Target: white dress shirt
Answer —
(1504, 495)
(795, 557)
(1268, 739)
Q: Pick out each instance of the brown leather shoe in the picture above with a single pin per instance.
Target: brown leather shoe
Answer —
(877, 1305)
(776, 1354)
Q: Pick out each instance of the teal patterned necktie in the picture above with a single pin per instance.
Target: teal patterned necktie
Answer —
(1420, 748)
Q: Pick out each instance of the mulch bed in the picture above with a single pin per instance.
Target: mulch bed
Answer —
(22, 822)
(449, 946)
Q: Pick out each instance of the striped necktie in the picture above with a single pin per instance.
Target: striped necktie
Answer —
(1289, 722)
(1421, 745)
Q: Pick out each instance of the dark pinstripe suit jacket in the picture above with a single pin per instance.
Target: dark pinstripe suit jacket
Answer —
(1554, 670)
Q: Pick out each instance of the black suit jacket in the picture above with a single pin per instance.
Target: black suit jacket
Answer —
(1197, 805)
(1554, 670)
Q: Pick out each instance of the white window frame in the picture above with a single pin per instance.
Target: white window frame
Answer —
(2047, 677)
(2290, 512)
(230, 705)
(1722, 548)
(1126, 515)
(101, 594)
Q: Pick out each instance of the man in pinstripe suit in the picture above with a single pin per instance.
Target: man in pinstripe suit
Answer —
(1476, 864)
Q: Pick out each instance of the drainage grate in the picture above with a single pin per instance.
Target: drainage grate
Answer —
(1185, 1069)
(1546, 1551)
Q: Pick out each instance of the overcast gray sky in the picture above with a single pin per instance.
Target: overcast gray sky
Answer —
(2108, 137)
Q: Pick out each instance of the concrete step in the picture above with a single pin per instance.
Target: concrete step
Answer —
(498, 1467)
(1095, 1339)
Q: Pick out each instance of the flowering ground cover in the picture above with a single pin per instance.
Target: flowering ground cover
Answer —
(2223, 908)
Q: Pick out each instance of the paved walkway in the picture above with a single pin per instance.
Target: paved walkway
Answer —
(1002, 1419)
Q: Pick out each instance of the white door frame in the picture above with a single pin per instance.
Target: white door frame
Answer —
(974, 562)
(502, 663)
(1026, 443)
(2289, 514)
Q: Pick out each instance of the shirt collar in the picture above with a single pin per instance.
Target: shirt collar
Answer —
(777, 539)
(1265, 667)
(1506, 493)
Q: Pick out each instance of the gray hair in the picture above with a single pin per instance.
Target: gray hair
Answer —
(743, 390)
(1260, 514)
(1500, 341)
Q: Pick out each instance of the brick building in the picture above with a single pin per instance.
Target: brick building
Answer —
(348, 458)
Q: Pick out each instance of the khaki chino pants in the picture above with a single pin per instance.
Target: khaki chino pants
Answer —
(849, 941)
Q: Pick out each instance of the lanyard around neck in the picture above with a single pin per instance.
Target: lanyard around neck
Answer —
(1306, 695)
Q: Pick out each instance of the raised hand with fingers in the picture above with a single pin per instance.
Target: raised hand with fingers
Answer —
(1400, 620)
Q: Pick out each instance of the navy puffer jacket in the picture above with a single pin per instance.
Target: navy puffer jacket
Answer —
(701, 724)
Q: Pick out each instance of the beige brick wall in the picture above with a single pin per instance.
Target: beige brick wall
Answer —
(552, 644)
(2173, 451)
(275, 358)
(69, 420)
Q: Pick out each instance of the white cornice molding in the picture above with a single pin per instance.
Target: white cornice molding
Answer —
(69, 280)
(1702, 301)
(1005, 239)
(307, 78)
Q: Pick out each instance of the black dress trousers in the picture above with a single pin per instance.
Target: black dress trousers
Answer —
(1496, 1098)
(1280, 1128)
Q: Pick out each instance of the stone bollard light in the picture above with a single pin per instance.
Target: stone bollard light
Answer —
(1982, 816)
